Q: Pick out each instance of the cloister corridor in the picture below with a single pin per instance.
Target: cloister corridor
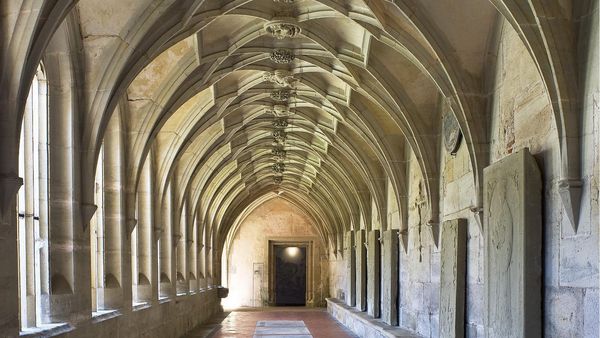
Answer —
(299, 168)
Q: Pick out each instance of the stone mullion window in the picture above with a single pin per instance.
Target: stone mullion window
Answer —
(32, 206)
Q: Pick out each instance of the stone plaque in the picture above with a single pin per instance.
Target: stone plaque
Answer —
(453, 255)
(512, 226)
(389, 292)
(373, 274)
(452, 133)
(350, 259)
(361, 269)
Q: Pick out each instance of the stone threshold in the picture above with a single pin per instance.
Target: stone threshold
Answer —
(362, 324)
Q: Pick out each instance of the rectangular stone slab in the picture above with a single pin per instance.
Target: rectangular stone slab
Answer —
(389, 292)
(277, 323)
(350, 260)
(361, 269)
(512, 226)
(453, 256)
(373, 274)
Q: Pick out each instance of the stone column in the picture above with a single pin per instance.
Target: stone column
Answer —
(156, 233)
(27, 229)
(209, 261)
(361, 269)
(144, 235)
(192, 250)
(512, 228)
(9, 292)
(167, 268)
(182, 246)
(373, 274)
(115, 233)
(68, 248)
(202, 256)
(389, 306)
(350, 260)
(453, 256)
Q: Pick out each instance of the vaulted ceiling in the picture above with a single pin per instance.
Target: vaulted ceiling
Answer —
(339, 92)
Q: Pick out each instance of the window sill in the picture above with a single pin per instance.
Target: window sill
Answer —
(102, 315)
(46, 330)
(140, 306)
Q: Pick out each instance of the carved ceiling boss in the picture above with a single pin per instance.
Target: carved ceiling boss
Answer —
(282, 28)
(280, 77)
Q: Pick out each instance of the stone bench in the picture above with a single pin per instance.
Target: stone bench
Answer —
(362, 324)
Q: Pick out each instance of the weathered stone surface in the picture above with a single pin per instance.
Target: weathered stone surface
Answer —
(361, 269)
(512, 228)
(453, 278)
(350, 259)
(373, 274)
(389, 291)
(363, 325)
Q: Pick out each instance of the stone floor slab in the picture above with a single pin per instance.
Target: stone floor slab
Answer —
(281, 330)
(275, 323)
(284, 336)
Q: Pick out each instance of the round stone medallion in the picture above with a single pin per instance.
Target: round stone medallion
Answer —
(452, 133)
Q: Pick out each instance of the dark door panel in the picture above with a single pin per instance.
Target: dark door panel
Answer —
(290, 275)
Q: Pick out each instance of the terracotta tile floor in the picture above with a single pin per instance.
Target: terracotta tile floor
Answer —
(243, 323)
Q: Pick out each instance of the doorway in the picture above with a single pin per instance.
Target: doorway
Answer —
(290, 275)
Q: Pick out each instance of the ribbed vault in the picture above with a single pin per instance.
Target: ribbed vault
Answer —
(321, 101)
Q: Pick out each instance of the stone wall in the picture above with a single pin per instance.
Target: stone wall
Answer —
(520, 116)
(420, 265)
(172, 318)
(276, 219)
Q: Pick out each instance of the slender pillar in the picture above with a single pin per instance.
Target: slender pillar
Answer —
(115, 233)
(167, 268)
(156, 234)
(144, 235)
(182, 246)
(209, 261)
(27, 222)
(202, 257)
(373, 274)
(192, 251)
